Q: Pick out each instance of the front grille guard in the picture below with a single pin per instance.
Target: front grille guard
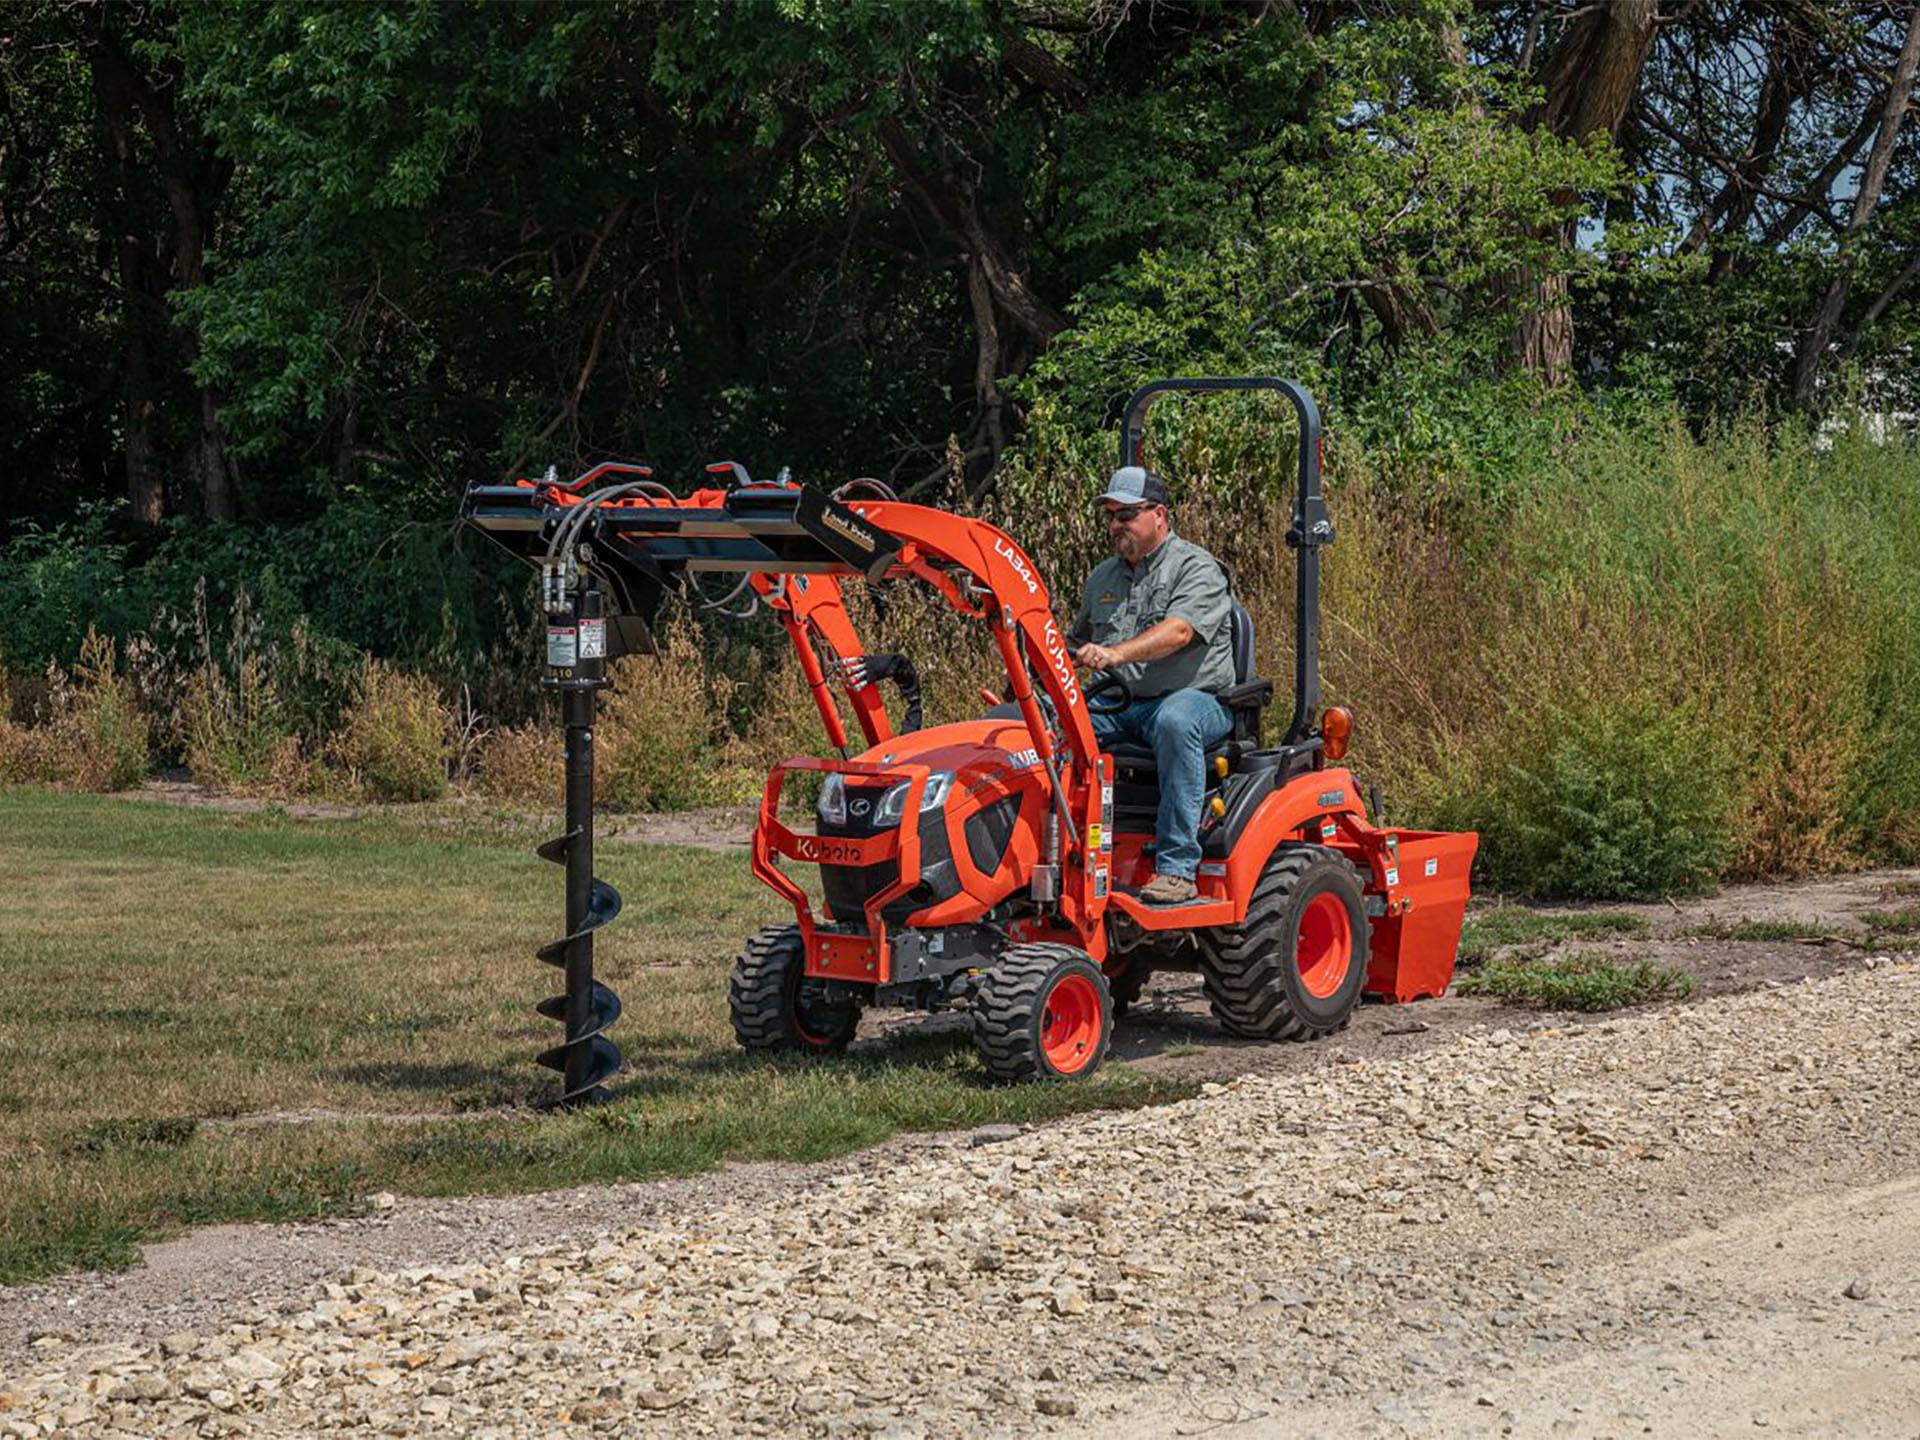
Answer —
(840, 956)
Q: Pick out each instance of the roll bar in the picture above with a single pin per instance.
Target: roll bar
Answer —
(1312, 527)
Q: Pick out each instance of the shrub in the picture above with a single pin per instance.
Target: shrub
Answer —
(108, 730)
(92, 732)
(1608, 803)
(62, 580)
(28, 753)
(522, 766)
(395, 739)
(660, 724)
(235, 735)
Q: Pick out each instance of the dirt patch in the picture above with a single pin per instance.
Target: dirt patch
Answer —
(724, 827)
(178, 791)
(1833, 902)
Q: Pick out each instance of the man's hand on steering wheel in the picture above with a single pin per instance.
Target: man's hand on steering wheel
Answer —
(1098, 657)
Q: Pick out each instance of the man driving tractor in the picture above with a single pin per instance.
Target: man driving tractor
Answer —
(1158, 615)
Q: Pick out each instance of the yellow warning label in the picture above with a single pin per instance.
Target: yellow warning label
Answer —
(1093, 836)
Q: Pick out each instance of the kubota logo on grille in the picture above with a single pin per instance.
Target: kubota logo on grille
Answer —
(827, 852)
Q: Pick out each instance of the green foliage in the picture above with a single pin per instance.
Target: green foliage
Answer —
(658, 730)
(1894, 922)
(1762, 930)
(62, 579)
(1576, 980)
(1603, 804)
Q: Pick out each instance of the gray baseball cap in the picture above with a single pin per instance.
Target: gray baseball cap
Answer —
(1134, 485)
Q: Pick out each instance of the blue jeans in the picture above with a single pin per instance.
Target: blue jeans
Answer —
(1179, 726)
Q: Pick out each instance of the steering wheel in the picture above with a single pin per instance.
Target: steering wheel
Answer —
(1113, 691)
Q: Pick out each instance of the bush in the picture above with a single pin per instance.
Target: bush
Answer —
(28, 753)
(62, 581)
(93, 731)
(395, 739)
(235, 736)
(661, 722)
(109, 730)
(1607, 804)
(522, 766)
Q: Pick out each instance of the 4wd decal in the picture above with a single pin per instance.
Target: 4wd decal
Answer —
(1333, 797)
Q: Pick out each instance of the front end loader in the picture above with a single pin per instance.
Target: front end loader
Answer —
(992, 862)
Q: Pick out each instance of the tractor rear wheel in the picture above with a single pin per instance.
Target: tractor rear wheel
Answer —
(1042, 1012)
(777, 1007)
(1293, 969)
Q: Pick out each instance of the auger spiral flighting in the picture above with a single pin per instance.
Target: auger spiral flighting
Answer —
(576, 656)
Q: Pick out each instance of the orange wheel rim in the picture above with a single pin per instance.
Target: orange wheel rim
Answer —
(800, 1027)
(1325, 950)
(1070, 1024)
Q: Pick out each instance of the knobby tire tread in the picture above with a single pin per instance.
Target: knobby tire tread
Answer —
(757, 995)
(1006, 1008)
(1243, 965)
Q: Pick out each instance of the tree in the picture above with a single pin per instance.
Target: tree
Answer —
(1893, 113)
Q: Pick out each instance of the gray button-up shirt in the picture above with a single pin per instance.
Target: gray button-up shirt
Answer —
(1178, 579)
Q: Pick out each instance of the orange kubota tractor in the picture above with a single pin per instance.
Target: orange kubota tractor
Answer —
(992, 862)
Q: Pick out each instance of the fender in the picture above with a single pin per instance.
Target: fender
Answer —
(1302, 801)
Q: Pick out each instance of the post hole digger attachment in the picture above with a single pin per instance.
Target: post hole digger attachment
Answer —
(993, 863)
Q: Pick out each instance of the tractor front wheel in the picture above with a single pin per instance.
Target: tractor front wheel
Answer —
(777, 1007)
(1043, 1012)
(1293, 969)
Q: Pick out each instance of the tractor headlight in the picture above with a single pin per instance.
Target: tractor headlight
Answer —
(893, 804)
(832, 806)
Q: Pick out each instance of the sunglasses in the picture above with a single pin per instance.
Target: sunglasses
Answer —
(1127, 514)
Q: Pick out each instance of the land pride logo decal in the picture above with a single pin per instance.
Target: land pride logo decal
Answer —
(859, 536)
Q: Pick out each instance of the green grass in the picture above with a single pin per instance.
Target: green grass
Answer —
(1488, 931)
(1894, 922)
(1762, 930)
(1576, 980)
(164, 969)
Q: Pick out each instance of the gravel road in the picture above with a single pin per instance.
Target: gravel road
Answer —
(1697, 1220)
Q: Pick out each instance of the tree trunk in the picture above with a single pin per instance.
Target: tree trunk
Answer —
(997, 292)
(146, 481)
(1588, 81)
(1813, 345)
(192, 183)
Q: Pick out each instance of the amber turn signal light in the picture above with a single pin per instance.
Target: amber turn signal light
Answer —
(1336, 730)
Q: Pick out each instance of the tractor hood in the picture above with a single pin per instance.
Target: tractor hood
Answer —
(983, 756)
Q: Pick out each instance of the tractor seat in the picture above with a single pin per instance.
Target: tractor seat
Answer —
(1244, 700)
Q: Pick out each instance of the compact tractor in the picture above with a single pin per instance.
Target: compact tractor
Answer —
(989, 863)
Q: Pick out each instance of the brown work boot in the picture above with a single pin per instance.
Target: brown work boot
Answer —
(1168, 890)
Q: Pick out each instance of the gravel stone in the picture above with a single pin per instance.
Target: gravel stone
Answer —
(1218, 1248)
